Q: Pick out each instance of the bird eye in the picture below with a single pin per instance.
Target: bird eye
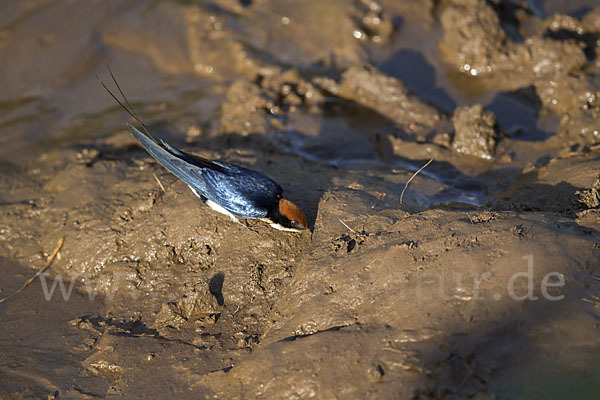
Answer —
(296, 224)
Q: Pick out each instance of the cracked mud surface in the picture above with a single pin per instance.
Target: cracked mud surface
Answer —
(483, 282)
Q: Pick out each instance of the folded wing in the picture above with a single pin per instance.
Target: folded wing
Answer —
(181, 166)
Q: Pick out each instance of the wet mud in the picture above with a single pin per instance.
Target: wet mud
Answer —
(481, 279)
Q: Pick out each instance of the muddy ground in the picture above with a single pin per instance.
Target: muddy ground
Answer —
(481, 280)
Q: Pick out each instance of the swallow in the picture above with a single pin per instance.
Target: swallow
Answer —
(229, 189)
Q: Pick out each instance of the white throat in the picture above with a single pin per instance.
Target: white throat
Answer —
(279, 226)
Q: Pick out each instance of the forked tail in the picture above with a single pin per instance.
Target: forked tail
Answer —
(127, 106)
(187, 167)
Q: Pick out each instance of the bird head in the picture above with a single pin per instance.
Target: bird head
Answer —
(290, 215)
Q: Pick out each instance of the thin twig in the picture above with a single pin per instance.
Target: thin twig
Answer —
(470, 219)
(45, 267)
(343, 223)
(413, 177)
(592, 302)
(159, 183)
